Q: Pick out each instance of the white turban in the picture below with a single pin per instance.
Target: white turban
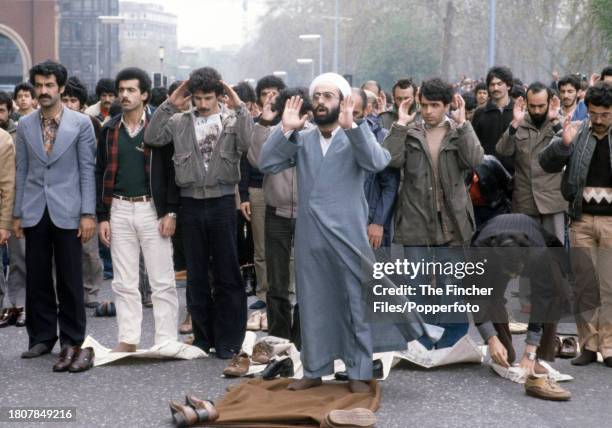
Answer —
(331, 79)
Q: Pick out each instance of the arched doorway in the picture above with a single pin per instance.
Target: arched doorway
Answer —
(15, 60)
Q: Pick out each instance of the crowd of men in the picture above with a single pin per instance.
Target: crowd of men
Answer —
(162, 176)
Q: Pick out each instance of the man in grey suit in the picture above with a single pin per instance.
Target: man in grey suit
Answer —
(54, 208)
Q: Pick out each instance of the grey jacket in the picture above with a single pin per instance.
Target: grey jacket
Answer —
(535, 190)
(576, 159)
(416, 212)
(168, 125)
(280, 190)
(61, 182)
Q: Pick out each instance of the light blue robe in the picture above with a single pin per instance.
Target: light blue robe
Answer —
(331, 248)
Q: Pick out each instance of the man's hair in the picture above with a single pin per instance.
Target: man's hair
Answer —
(470, 101)
(363, 96)
(6, 99)
(607, 71)
(131, 73)
(404, 84)
(269, 81)
(75, 88)
(503, 73)
(372, 81)
(106, 86)
(481, 86)
(517, 91)
(158, 96)
(173, 86)
(24, 86)
(245, 92)
(570, 79)
(437, 90)
(537, 87)
(205, 79)
(285, 94)
(599, 95)
(48, 68)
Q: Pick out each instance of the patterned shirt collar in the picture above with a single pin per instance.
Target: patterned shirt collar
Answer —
(141, 124)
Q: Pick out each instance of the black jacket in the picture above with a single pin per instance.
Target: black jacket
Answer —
(490, 123)
(163, 188)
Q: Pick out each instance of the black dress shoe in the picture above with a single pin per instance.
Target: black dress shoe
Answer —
(282, 368)
(608, 361)
(377, 372)
(82, 361)
(36, 351)
(21, 317)
(65, 358)
(8, 317)
(586, 357)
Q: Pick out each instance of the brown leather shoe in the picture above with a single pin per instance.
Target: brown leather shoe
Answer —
(238, 366)
(66, 357)
(355, 418)
(186, 327)
(546, 389)
(21, 317)
(8, 317)
(83, 360)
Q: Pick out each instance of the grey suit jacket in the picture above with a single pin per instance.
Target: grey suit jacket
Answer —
(63, 181)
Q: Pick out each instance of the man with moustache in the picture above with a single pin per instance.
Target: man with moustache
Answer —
(54, 209)
(582, 154)
(481, 94)
(208, 142)
(106, 93)
(568, 93)
(331, 244)
(403, 90)
(137, 206)
(491, 121)
(536, 193)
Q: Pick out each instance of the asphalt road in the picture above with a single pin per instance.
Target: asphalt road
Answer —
(136, 394)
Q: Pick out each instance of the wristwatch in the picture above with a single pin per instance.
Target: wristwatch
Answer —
(531, 356)
(171, 215)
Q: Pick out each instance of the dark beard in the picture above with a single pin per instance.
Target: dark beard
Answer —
(329, 118)
(538, 120)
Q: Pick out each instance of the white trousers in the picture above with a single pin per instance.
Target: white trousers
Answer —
(135, 227)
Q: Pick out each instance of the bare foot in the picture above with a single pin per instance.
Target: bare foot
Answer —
(304, 383)
(359, 386)
(124, 347)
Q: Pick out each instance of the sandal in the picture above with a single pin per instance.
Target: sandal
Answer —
(186, 416)
(569, 348)
(205, 408)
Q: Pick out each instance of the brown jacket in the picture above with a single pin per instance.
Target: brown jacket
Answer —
(7, 180)
(416, 212)
(535, 191)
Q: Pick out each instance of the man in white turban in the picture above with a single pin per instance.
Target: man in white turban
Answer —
(331, 244)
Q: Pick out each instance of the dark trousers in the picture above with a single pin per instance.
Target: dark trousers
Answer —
(279, 233)
(218, 315)
(43, 242)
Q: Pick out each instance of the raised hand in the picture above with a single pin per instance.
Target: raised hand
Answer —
(381, 103)
(291, 116)
(346, 113)
(267, 113)
(595, 77)
(180, 95)
(404, 117)
(518, 112)
(570, 129)
(458, 115)
(233, 100)
(553, 108)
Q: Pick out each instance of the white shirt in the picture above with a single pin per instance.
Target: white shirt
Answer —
(326, 142)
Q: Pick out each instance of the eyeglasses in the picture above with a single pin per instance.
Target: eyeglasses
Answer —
(604, 116)
(327, 96)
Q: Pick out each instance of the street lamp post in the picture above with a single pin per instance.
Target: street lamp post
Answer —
(315, 37)
(308, 61)
(162, 54)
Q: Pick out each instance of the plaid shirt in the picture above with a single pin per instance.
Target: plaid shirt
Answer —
(49, 129)
(112, 164)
